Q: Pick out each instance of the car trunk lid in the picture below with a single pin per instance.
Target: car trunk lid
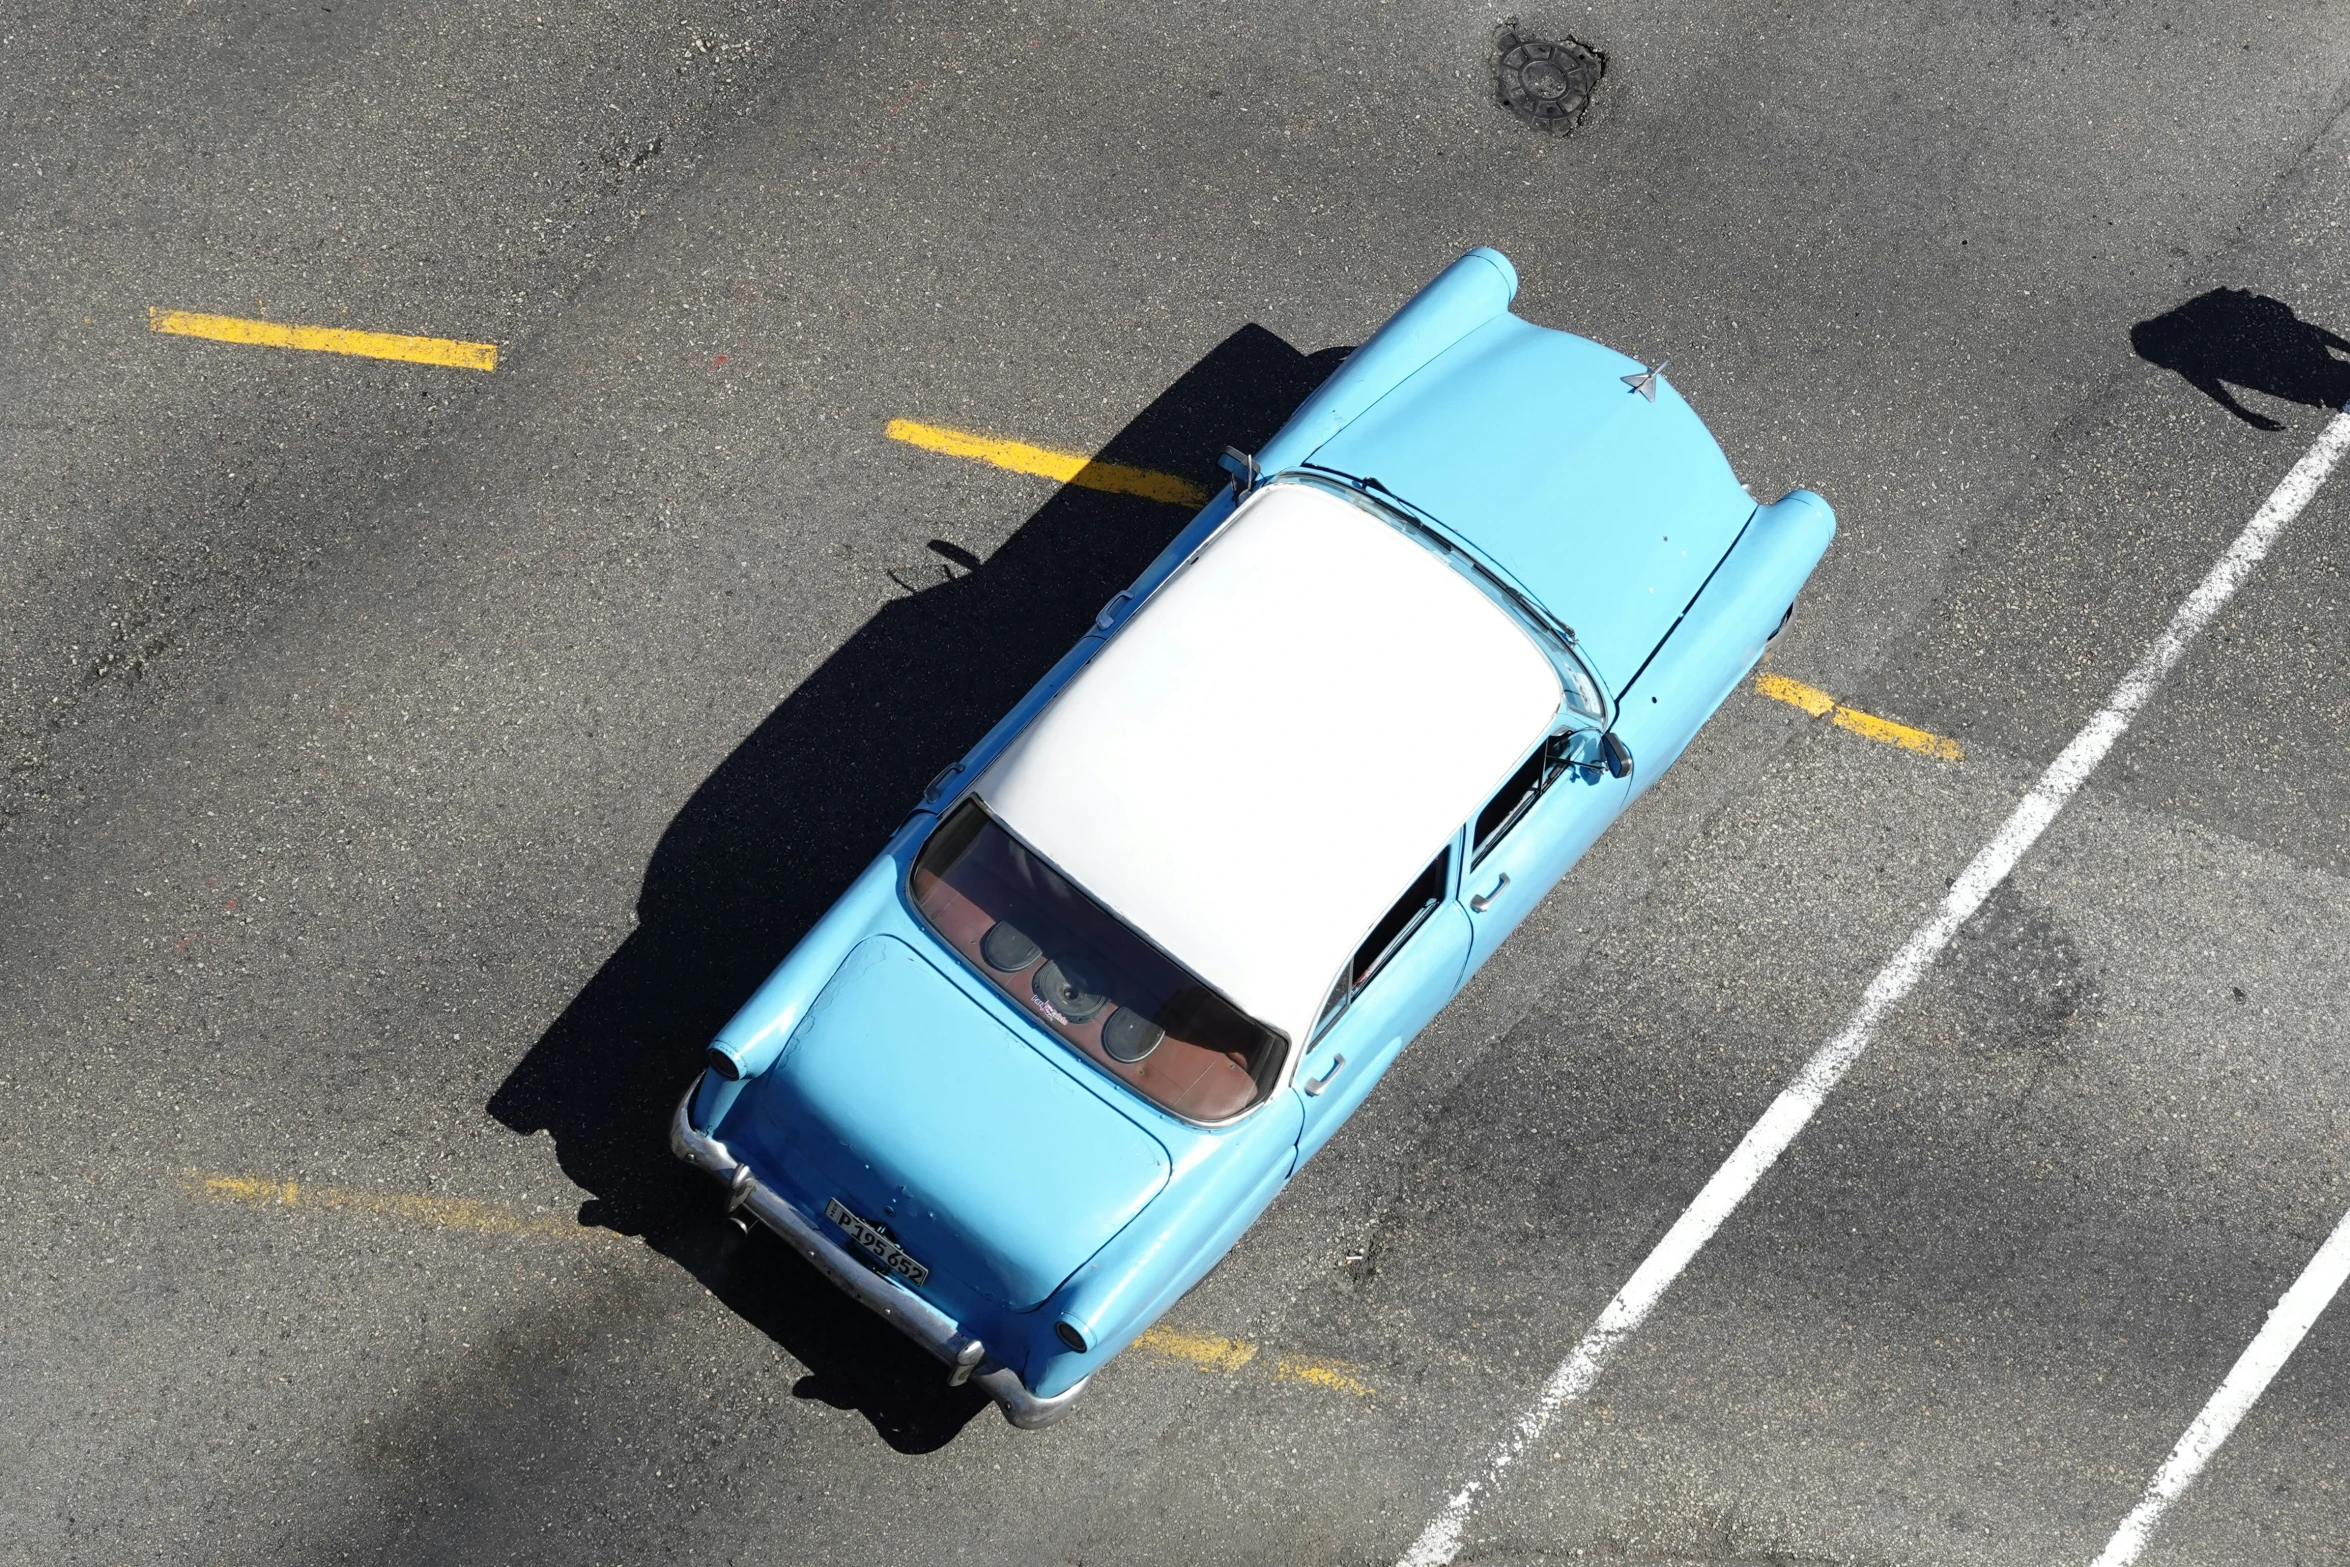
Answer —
(925, 1116)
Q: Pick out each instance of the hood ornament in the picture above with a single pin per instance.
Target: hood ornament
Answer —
(1645, 382)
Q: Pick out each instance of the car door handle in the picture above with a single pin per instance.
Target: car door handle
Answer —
(1482, 903)
(1314, 1085)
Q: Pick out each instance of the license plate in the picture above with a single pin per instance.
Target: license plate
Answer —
(874, 1242)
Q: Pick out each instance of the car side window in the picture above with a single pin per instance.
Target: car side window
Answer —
(1387, 937)
(1515, 798)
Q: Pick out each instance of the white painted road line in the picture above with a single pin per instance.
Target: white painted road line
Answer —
(2287, 1324)
(1802, 1098)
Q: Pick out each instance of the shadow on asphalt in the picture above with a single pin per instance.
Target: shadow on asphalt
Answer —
(2233, 337)
(770, 839)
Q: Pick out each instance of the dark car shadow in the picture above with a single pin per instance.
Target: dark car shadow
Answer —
(779, 829)
(2233, 337)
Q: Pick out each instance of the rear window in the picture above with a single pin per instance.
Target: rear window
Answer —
(1087, 976)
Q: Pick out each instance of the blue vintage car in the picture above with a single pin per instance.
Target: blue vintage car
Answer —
(1139, 954)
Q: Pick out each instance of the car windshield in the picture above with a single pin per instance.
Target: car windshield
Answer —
(1582, 690)
(1088, 977)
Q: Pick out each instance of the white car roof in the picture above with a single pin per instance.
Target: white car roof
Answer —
(1270, 750)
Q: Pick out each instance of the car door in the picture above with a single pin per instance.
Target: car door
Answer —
(1401, 976)
(1535, 826)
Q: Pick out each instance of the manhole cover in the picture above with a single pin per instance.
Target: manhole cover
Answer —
(1545, 84)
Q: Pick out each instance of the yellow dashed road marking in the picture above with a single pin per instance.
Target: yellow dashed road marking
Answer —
(1868, 725)
(1206, 1352)
(1200, 1351)
(1045, 463)
(1197, 1349)
(1336, 1375)
(326, 339)
(447, 1213)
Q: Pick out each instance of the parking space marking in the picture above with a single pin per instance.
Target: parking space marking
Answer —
(1208, 1352)
(1793, 1109)
(1045, 463)
(1867, 725)
(2287, 1325)
(325, 339)
(448, 1213)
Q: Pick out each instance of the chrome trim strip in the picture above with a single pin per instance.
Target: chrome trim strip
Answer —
(909, 1313)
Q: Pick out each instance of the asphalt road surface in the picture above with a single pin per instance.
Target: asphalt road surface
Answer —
(409, 767)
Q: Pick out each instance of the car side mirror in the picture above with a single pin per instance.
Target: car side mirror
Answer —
(1615, 755)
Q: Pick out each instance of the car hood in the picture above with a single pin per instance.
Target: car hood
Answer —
(1527, 444)
(924, 1114)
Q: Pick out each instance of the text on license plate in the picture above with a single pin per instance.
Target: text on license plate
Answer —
(871, 1241)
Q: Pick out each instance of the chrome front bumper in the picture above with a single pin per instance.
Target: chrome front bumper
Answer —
(966, 1357)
